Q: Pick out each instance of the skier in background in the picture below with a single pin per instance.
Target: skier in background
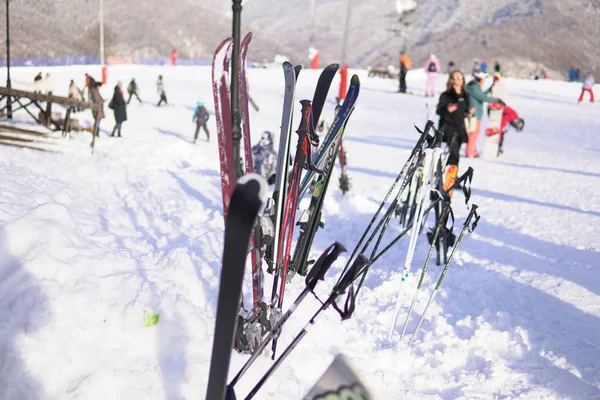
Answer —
(432, 67)
(451, 67)
(405, 64)
(572, 74)
(509, 116)
(75, 94)
(588, 84)
(497, 68)
(476, 66)
(160, 88)
(201, 117)
(38, 77)
(132, 89)
(477, 97)
(453, 107)
(483, 65)
(174, 57)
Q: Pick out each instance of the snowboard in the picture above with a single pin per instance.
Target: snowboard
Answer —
(492, 133)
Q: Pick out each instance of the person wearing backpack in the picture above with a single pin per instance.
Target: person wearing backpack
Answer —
(132, 89)
(201, 116)
(432, 67)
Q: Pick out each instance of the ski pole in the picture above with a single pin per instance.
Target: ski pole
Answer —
(441, 223)
(415, 152)
(345, 282)
(317, 273)
(472, 214)
(427, 163)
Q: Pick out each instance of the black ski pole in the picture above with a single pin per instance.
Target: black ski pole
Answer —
(467, 226)
(236, 128)
(345, 283)
(411, 158)
(317, 273)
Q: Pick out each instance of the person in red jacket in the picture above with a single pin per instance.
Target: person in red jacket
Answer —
(174, 57)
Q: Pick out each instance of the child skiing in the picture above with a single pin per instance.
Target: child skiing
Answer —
(160, 88)
(509, 116)
(201, 117)
(132, 89)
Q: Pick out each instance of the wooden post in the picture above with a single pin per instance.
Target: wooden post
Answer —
(48, 114)
(94, 132)
(66, 122)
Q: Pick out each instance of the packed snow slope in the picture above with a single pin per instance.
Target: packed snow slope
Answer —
(91, 245)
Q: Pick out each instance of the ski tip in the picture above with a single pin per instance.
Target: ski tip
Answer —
(334, 66)
(253, 179)
(355, 80)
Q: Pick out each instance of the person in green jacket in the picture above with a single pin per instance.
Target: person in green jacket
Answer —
(477, 97)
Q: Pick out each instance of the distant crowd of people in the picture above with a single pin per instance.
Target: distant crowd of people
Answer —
(432, 68)
(90, 92)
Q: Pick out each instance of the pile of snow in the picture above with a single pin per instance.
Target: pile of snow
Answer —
(91, 245)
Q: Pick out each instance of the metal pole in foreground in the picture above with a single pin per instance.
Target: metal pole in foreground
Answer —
(101, 33)
(346, 29)
(313, 13)
(8, 83)
(236, 129)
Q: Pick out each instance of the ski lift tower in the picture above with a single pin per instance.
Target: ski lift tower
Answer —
(402, 19)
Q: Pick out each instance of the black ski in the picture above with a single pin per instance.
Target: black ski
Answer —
(311, 219)
(248, 196)
(320, 95)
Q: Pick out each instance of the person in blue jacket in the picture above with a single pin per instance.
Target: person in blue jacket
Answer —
(201, 117)
(477, 97)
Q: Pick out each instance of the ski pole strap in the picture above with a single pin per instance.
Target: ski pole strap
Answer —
(359, 267)
(472, 214)
(425, 132)
(465, 180)
(319, 269)
(450, 216)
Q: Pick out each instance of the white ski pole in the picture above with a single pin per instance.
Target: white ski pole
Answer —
(428, 156)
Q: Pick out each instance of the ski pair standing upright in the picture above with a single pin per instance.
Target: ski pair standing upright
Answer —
(222, 98)
(289, 185)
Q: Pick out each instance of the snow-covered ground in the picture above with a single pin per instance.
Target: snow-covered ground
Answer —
(92, 244)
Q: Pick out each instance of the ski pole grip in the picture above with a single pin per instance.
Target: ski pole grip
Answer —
(345, 283)
(428, 126)
(472, 214)
(319, 269)
(305, 113)
(351, 274)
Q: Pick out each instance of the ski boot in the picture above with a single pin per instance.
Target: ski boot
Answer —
(518, 124)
